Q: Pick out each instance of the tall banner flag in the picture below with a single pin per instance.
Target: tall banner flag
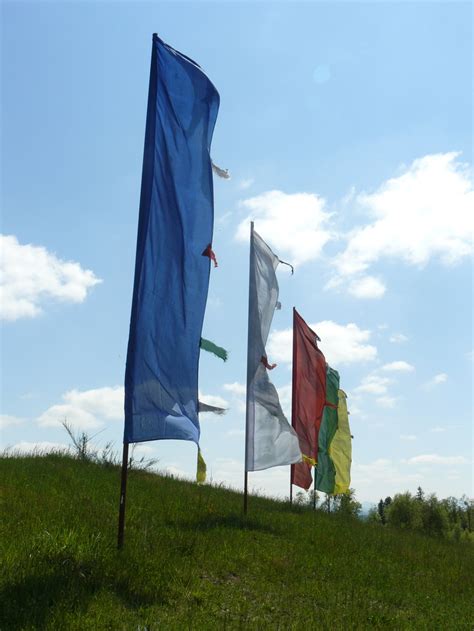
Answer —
(340, 449)
(173, 251)
(270, 439)
(325, 470)
(308, 399)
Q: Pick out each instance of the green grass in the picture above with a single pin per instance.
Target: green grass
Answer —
(191, 561)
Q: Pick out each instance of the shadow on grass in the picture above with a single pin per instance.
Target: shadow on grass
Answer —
(230, 522)
(69, 585)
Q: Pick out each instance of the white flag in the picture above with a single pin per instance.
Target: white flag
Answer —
(270, 439)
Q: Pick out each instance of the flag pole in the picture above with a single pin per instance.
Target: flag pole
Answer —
(314, 489)
(293, 401)
(246, 474)
(123, 492)
(291, 484)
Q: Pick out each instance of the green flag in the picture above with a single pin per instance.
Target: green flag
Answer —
(326, 471)
(210, 347)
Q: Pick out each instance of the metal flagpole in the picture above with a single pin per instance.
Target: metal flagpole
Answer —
(293, 401)
(291, 484)
(124, 473)
(315, 471)
(246, 474)
(123, 492)
(314, 490)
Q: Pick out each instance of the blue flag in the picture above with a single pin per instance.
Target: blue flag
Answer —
(172, 262)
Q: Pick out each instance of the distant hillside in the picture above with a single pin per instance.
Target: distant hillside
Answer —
(191, 561)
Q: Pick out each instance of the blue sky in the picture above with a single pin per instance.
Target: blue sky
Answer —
(347, 130)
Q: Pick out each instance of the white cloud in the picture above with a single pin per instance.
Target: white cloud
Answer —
(246, 183)
(438, 430)
(238, 391)
(373, 384)
(143, 449)
(223, 220)
(434, 459)
(87, 409)
(386, 401)
(7, 420)
(31, 275)
(384, 477)
(381, 478)
(377, 385)
(409, 437)
(398, 366)
(355, 411)
(340, 343)
(398, 338)
(284, 394)
(296, 225)
(367, 287)
(212, 399)
(177, 472)
(442, 377)
(236, 388)
(424, 213)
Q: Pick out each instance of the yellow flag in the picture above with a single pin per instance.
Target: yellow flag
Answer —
(340, 449)
(201, 469)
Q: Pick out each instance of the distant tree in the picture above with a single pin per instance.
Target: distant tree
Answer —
(454, 510)
(450, 517)
(468, 512)
(434, 518)
(404, 512)
(346, 504)
(456, 532)
(381, 512)
(373, 515)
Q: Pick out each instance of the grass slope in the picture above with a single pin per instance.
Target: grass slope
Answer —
(191, 561)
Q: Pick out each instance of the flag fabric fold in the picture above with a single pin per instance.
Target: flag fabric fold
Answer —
(171, 275)
(205, 407)
(270, 439)
(309, 397)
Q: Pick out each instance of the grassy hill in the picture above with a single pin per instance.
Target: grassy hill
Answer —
(191, 561)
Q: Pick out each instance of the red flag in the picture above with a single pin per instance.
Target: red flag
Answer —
(301, 475)
(309, 397)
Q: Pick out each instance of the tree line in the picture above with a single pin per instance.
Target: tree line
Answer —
(450, 518)
(344, 504)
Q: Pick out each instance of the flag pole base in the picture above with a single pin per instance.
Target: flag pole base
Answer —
(123, 493)
(246, 479)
